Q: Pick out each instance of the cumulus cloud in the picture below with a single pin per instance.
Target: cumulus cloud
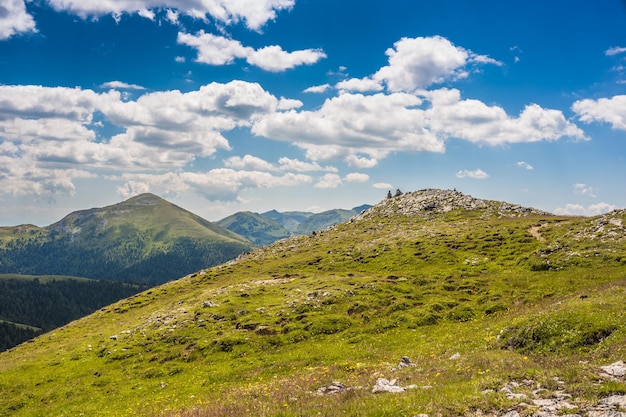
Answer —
(223, 184)
(355, 161)
(288, 164)
(218, 50)
(354, 123)
(361, 85)
(420, 62)
(51, 130)
(382, 186)
(584, 189)
(357, 177)
(375, 125)
(607, 110)
(579, 210)
(14, 19)
(477, 122)
(477, 174)
(254, 14)
(525, 165)
(249, 162)
(329, 181)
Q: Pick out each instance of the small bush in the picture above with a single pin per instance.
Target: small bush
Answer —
(329, 324)
(558, 332)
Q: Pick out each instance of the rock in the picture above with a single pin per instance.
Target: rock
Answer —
(511, 414)
(384, 385)
(208, 304)
(455, 356)
(405, 362)
(617, 401)
(615, 370)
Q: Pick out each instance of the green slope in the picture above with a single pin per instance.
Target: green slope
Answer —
(479, 294)
(144, 239)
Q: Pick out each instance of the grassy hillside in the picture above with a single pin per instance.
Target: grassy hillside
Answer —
(489, 301)
(144, 240)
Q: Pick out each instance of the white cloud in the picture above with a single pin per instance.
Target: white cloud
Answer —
(579, 210)
(14, 19)
(355, 161)
(357, 177)
(329, 181)
(525, 165)
(354, 124)
(477, 174)
(287, 104)
(121, 86)
(218, 50)
(51, 130)
(249, 162)
(360, 85)
(254, 13)
(274, 59)
(317, 89)
(474, 121)
(608, 110)
(221, 184)
(288, 164)
(382, 186)
(420, 62)
(584, 189)
(172, 16)
(616, 50)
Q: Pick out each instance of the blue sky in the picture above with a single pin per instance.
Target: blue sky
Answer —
(227, 105)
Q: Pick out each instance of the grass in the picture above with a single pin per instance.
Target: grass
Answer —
(261, 335)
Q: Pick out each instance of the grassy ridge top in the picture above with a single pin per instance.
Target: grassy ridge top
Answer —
(519, 294)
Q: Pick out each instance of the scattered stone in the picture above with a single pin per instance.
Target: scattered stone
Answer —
(335, 388)
(511, 414)
(209, 304)
(614, 370)
(114, 337)
(405, 362)
(455, 356)
(384, 385)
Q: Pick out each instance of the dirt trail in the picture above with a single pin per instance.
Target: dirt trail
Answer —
(535, 232)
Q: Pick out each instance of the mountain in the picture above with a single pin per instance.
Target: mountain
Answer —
(320, 221)
(432, 302)
(258, 229)
(268, 227)
(290, 220)
(144, 239)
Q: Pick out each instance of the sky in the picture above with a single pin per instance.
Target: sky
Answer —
(222, 106)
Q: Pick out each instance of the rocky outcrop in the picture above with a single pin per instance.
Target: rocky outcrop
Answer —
(436, 201)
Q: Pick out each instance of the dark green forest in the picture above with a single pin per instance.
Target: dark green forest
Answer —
(126, 260)
(48, 305)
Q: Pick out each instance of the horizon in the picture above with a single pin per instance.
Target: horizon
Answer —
(310, 106)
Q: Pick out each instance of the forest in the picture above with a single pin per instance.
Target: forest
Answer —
(29, 307)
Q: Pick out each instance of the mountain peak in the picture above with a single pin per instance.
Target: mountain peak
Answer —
(147, 199)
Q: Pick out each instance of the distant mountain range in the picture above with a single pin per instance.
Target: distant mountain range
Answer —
(147, 240)
(143, 240)
(265, 228)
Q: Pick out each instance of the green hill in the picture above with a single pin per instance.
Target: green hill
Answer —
(144, 240)
(459, 306)
(258, 229)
